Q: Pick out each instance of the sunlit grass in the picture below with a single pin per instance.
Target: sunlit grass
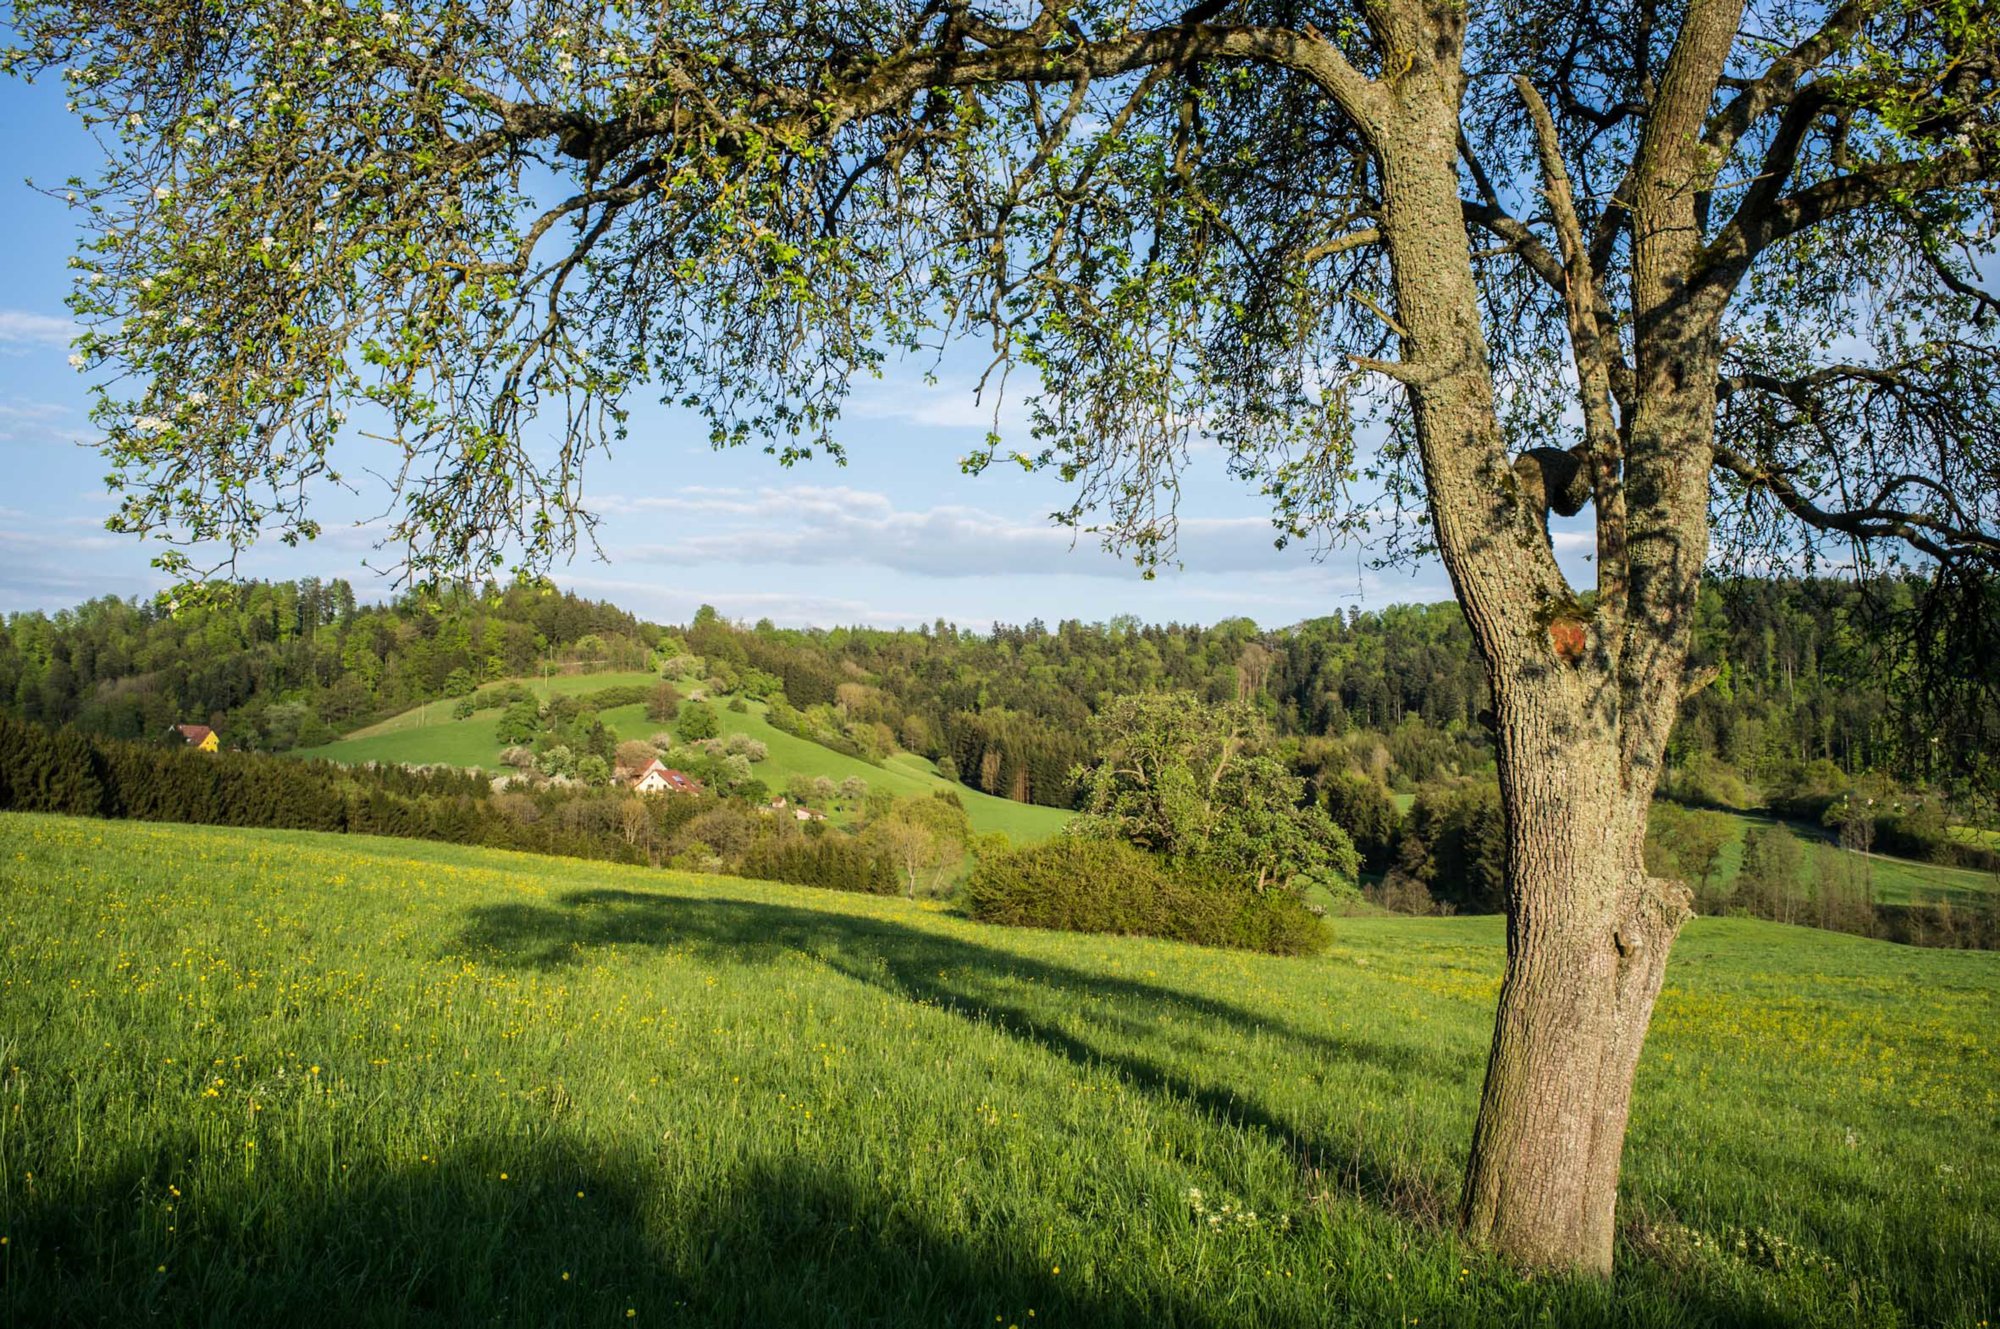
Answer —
(274, 1077)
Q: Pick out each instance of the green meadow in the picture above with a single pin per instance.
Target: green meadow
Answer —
(429, 735)
(253, 1077)
(1893, 880)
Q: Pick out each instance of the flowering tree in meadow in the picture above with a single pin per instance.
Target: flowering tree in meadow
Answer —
(1705, 268)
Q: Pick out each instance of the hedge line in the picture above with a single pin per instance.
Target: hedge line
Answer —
(1084, 885)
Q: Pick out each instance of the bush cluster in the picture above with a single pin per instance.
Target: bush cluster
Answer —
(1079, 884)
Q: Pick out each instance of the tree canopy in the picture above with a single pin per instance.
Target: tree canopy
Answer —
(472, 216)
(1191, 782)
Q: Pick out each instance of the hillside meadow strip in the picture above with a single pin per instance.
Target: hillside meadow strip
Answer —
(258, 1077)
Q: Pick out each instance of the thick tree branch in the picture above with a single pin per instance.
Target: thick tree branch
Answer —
(1776, 86)
(1593, 352)
(1750, 233)
(1944, 539)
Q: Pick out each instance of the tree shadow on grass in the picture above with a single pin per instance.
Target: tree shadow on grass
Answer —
(571, 1236)
(565, 1239)
(1094, 1026)
(1100, 1019)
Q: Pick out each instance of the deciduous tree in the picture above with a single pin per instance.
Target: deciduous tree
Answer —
(1624, 255)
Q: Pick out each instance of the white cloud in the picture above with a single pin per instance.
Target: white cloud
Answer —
(951, 403)
(19, 326)
(23, 421)
(819, 526)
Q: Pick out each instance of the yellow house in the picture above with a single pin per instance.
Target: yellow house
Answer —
(199, 736)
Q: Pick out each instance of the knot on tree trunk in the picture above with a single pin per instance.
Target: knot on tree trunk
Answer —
(1659, 909)
(1552, 479)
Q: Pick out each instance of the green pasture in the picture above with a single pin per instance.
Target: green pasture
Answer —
(428, 735)
(1894, 880)
(256, 1077)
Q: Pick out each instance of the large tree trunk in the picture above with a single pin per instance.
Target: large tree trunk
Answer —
(1585, 693)
(1587, 940)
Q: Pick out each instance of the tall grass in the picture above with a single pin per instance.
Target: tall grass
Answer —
(271, 1077)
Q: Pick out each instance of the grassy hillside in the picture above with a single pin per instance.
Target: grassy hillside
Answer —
(1896, 880)
(429, 734)
(279, 1078)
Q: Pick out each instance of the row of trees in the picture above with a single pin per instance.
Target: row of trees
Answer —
(1797, 677)
(1795, 671)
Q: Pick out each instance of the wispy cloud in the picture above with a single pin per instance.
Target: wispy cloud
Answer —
(23, 421)
(819, 526)
(954, 403)
(20, 326)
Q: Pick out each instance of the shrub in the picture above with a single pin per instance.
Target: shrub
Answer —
(519, 723)
(742, 745)
(1403, 894)
(697, 721)
(739, 706)
(663, 703)
(1088, 885)
(624, 694)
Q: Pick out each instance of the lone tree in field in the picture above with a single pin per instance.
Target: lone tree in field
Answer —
(1681, 263)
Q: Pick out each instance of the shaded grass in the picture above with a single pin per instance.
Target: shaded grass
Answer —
(265, 1077)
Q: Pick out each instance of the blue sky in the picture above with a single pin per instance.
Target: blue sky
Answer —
(896, 537)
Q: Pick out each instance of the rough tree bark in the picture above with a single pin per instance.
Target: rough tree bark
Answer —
(1584, 692)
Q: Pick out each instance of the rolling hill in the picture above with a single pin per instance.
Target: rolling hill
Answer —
(429, 735)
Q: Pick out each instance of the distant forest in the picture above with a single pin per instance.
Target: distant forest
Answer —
(1795, 675)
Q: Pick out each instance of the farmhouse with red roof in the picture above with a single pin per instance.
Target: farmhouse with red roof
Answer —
(659, 778)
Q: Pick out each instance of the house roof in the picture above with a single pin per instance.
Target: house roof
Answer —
(194, 733)
(678, 781)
